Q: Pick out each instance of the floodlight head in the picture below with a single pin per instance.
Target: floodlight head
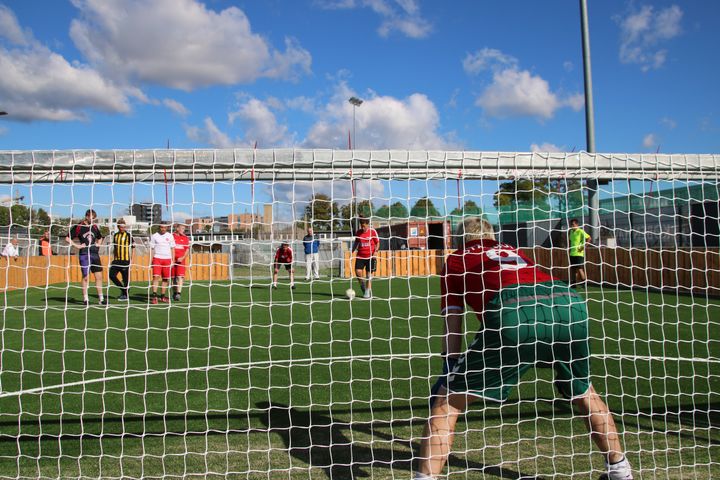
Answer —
(356, 102)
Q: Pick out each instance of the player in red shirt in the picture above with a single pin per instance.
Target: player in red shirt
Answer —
(366, 244)
(283, 257)
(182, 250)
(529, 319)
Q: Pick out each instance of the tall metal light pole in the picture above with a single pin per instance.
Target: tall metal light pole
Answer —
(592, 184)
(355, 102)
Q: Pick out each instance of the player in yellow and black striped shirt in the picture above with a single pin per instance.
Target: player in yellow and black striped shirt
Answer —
(122, 254)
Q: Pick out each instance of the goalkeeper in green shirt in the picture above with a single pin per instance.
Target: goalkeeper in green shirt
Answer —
(578, 239)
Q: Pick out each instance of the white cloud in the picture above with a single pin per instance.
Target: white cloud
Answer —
(380, 122)
(11, 30)
(291, 198)
(576, 101)
(403, 16)
(641, 33)
(176, 107)
(568, 66)
(180, 44)
(260, 124)
(38, 84)
(650, 141)
(180, 217)
(210, 135)
(668, 122)
(488, 59)
(546, 147)
(515, 92)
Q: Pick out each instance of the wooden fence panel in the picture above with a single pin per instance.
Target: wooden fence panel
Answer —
(695, 270)
(41, 271)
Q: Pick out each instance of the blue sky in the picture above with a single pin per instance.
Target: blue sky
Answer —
(434, 75)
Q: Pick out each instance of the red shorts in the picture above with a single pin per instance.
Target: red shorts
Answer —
(161, 267)
(178, 270)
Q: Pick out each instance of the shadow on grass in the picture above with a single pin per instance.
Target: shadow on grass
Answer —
(321, 442)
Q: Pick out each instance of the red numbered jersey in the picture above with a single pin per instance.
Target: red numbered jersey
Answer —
(474, 274)
(366, 243)
(182, 244)
(284, 255)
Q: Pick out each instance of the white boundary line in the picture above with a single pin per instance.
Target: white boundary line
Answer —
(302, 361)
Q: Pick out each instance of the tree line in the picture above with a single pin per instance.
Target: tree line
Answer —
(324, 214)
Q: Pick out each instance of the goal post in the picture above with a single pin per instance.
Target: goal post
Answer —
(241, 379)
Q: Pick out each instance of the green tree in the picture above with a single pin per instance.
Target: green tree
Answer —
(399, 210)
(383, 212)
(39, 221)
(344, 219)
(20, 215)
(529, 191)
(468, 208)
(322, 213)
(424, 208)
(365, 208)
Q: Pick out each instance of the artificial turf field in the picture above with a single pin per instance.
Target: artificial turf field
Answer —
(240, 381)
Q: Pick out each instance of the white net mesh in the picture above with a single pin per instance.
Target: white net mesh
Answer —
(242, 380)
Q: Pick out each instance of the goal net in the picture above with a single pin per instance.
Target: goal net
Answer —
(263, 368)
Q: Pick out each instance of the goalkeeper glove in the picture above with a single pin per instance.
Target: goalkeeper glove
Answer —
(448, 363)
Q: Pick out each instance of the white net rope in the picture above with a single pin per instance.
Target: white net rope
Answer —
(240, 379)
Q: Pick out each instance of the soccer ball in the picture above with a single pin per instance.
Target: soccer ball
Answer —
(350, 293)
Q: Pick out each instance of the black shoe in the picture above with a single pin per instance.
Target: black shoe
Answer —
(176, 297)
(86, 303)
(292, 287)
(103, 302)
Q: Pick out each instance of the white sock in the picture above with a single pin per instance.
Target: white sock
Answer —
(421, 476)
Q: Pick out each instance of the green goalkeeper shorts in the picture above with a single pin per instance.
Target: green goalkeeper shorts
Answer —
(543, 326)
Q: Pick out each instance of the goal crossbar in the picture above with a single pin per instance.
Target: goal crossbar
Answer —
(123, 166)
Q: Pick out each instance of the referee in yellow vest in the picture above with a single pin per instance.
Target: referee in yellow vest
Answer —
(122, 254)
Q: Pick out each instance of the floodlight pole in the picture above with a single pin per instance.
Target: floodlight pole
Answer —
(355, 102)
(592, 184)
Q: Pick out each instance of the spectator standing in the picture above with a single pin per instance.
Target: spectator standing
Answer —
(45, 250)
(312, 255)
(11, 250)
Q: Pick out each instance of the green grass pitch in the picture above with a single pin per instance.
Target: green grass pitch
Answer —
(240, 381)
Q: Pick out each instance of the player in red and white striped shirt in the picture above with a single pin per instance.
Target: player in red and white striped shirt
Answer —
(366, 244)
(284, 257)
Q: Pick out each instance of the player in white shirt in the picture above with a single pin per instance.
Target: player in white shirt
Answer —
(11, 250)
(163, 246)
